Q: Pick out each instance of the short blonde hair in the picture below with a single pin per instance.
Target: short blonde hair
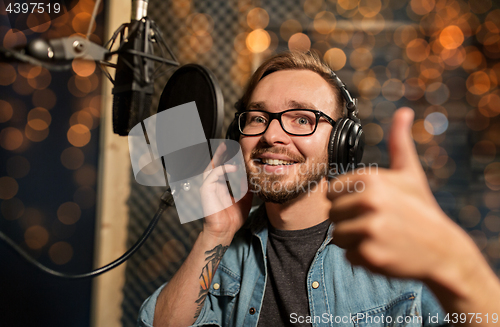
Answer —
(291, 60)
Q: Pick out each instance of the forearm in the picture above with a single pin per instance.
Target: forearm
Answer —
(182, 299)
(468, 287)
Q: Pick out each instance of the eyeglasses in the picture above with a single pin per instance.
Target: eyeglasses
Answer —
(298, 122)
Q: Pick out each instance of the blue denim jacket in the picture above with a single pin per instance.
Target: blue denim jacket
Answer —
(339, 293)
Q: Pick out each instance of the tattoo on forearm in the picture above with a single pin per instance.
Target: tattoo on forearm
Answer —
(207, 273)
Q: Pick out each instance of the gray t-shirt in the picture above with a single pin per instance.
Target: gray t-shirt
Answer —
(289, 256)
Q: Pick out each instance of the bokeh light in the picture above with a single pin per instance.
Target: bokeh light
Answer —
(78, 135)
(299, 42)
(69, 213)
(11, 138)
(335, 58)
(12, 208)
(257, 18)
(258, 40)
(36, 237)
(60, 253)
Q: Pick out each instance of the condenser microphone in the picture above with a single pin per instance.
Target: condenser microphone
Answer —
(134, 82)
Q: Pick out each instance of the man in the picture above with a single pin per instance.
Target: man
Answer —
(287, 264)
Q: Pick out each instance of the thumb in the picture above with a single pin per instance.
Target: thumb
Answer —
(402, 151)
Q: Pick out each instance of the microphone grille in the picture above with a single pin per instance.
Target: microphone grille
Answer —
(129, 109)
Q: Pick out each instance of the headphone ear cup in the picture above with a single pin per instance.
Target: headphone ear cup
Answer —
(346, 145)
(357, 145)
(333, 145)
(233, 132)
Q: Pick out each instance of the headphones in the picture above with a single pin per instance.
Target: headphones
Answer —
(347, 140)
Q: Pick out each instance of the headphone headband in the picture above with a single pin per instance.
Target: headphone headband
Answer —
(351, 103)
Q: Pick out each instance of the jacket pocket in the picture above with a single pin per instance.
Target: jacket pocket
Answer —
(225, 283)
(400, 312)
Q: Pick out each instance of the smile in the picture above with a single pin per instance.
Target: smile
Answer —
(275, 162)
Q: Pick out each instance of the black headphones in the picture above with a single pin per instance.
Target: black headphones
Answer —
(347, 140)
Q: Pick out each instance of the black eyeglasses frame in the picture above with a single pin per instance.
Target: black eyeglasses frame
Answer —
(277, 115)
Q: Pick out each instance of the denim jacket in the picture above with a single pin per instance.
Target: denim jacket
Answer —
(339, 294)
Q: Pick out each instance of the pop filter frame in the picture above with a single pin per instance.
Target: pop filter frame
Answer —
(197, 83)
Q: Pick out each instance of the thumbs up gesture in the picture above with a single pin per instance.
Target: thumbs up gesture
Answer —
(394, 226)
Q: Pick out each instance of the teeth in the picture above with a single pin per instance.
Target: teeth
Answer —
(276, 162)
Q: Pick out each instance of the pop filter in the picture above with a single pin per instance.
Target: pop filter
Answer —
(184, 135)
(190, 83)
(196, 83)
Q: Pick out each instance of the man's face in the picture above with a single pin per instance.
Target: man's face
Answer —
(281, 166)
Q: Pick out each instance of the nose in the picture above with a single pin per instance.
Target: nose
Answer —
(275, 134)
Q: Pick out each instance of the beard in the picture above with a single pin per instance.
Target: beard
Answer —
(277, 187)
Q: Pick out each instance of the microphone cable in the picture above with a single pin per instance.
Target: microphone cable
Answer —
(166, 200)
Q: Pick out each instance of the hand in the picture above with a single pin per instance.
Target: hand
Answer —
(225, 217)
(395, 226)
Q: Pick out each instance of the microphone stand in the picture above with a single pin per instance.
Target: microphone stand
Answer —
(74, 47)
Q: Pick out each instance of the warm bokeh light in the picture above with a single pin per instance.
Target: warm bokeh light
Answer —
(201, 24)
(393, 89)
(39, 119)
(418, 50)
(335, 58)
(38, 22)
(80, 23)
(300, 42)
(72, 158)
(44, 98)
(420, 133)
(258, 40)
(469, 216)
(8, 187)
(437, 93)
(6, 111)
(373, 134)
(478, 83)
(83, 68)
(257, 18)
(422, 7)
(11, 138)
(60, 253)
(85, 176)
(36, 135)
(369, 88)
(12, 208)
(311, 7)
(451, 37)
(78, 135)
(289, 28)
(369, 8)
(39, 78)
(361, 59)
(492, 222)
(7, 74)
(347, 4)
(324, 22)
(36, 237)
(492, 176)
(14, 38)
(69, 213)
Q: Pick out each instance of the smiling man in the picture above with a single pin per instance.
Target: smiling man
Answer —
(307, 256)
